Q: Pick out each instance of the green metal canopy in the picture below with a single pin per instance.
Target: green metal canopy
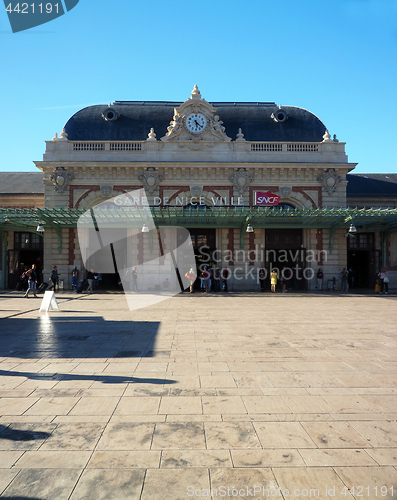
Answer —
(27, 219)
(384, 219)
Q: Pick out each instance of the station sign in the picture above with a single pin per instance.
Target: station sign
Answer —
(266, 199)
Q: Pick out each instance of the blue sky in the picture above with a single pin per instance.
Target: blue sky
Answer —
(337, 59)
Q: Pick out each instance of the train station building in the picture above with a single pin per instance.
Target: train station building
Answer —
(256, 184)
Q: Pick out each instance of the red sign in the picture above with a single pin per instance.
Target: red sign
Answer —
(266, 198)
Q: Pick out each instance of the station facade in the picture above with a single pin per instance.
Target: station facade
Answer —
(216, 169)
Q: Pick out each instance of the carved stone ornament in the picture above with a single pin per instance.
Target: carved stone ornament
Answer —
(196, 191)
(285, 192)
(195, 144)
(240, 135)
(241, 180)
(151, 135)
(60, 179)
(329, 179)
(217, 128)
(179, 129)
(327, 137)
(151, 179)
(106, 191)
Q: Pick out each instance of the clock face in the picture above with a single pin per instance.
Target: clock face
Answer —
(196, 123)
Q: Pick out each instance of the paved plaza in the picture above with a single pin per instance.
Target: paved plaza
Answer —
(249, 395)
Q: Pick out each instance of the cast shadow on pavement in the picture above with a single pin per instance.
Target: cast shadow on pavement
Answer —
(77, 337)
(105, 379)
(20, 435)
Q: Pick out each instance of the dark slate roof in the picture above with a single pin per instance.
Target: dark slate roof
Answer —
(136, 119)
(368, 185)
(21, 183)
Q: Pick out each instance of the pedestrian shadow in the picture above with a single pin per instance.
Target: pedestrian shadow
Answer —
(21, 435)
(105, 379)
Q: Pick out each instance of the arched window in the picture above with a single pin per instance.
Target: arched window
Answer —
(285, 206)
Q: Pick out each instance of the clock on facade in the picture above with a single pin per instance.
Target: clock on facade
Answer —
(196, 123)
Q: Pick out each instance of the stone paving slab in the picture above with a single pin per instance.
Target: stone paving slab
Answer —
(228, 392)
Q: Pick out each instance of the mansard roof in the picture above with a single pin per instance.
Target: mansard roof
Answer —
(375, 185)
(136, 118)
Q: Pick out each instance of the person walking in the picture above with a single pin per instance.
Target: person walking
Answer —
(273, 280)
(54, 277)
(32, 281)
(262, 278)
(134, 276)
(320, 276)
(191, 275)
(90, 278)
(344, 274)
(384, 281)
(75, 277)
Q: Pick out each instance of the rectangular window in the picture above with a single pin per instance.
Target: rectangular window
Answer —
(361, 241)
(27, 241)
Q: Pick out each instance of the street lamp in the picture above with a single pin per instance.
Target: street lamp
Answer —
(40, 228)
(145, 229)
(352, 230)
(249, 229)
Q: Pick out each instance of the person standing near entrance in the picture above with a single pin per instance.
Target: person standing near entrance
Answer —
(134, 276)
(90, 278)
(283, 281)
(344, 274)
(54, 277)
(217, 279)
(192, 277)
(262, 277)
(32, 281)
(206, 279)
(75, 277)
(320, 276)
(225, 277)
(384, 281)
(273, 280)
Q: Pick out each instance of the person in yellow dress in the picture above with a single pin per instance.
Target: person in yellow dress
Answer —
(273, 280)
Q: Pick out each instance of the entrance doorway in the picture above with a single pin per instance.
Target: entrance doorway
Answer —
(284, 247)
(203, 242)
(363, 261)
(28, 250)
(109, 260)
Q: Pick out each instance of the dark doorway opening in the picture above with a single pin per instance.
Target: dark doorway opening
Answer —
(107, 262)
(28, 250)
(284, 248)
(363, 260)
(358, 265)
(203, 242)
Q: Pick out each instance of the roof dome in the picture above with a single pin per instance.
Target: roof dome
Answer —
(132, 120)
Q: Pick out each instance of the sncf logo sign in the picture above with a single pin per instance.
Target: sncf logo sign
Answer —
(266, 198)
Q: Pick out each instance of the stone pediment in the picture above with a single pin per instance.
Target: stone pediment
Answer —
(210, 128)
